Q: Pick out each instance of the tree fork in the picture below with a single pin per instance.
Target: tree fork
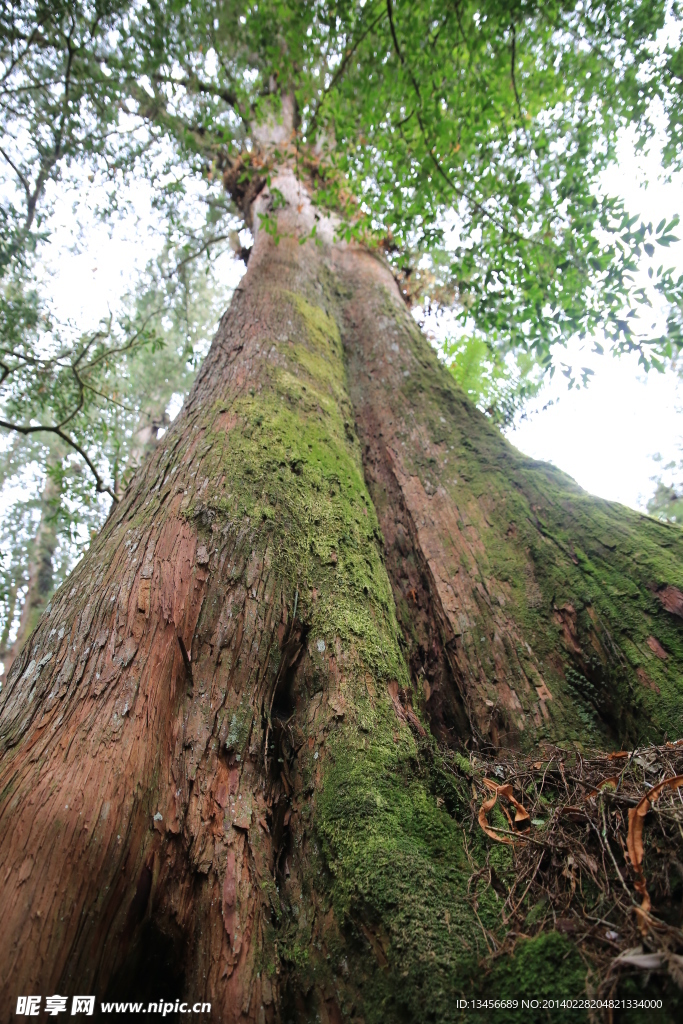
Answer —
(270, 842)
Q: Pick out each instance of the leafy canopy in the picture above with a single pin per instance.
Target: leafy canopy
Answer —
(465, 139)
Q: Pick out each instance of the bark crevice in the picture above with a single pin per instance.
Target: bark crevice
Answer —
(431, 647)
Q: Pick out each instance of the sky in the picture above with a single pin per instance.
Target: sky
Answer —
(616, 434)
(612, 436)
(608, 435)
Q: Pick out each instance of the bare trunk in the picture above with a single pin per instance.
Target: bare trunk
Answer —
(211, 784)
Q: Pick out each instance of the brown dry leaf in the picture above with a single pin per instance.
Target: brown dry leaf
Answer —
(505, 791)
(613, 780)
(634, 842)
(573, 812)
(521, 814)
(487, 806)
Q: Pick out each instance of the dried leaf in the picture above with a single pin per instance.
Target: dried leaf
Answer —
(521, 814)
(487, 806)
(613, 780)
(506, 791)
(634, 842)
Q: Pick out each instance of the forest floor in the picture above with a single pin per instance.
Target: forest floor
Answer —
(596, 842)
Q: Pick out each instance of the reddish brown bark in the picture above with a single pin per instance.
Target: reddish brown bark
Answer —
(116, 779)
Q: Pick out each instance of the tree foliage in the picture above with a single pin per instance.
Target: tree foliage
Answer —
(667, 501)
(467, 139)
(89, 407)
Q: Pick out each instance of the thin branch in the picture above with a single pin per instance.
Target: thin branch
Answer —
(519, 107)
(120, 349)
(390, 12)
(512, 73)
(194, 84)
(459, 191)
(107, 398)
(81, 401)
(100, 485)
(24, 180)
(194, 255)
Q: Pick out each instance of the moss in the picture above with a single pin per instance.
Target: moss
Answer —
(399, 880)
(293, 472)
(644, 986)
(547, 967)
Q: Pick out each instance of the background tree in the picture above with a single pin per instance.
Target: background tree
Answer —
(111, 392)
(220, 748)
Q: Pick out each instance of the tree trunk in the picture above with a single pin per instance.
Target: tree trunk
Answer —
(212, 785)
(40, 571)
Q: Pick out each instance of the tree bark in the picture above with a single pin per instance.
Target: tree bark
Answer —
(212, 784)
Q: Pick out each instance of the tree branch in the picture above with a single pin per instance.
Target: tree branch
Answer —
(100, 485)
(24, 180)
(342, 68)
(195, 255)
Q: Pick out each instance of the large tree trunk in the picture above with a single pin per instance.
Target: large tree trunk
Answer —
(211, 783)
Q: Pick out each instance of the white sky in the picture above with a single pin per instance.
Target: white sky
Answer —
(84, 285)
(605, 435)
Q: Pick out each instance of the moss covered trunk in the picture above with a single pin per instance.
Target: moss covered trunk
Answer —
(214, 780)
(530, 608)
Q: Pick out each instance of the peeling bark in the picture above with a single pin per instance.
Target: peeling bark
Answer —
(210, 776)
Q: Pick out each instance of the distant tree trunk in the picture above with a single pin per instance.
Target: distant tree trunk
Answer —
(40, 571)
(146, 437)
(211, 782)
